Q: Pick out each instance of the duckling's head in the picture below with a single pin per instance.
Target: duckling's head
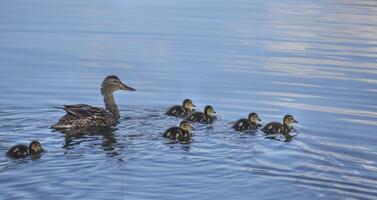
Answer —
(186, 126)
(253, 117)
(208, 110)
(188, 105)
(35, 147)
(112, 83)
(288, 120)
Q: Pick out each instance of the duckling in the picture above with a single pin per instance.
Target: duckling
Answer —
(181, 133)
(208, 117)
(22, 151)
(250, 124)
(278, 128)
(181, 111)
(83, 116)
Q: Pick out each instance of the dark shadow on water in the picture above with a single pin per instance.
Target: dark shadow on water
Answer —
(76, 137)
(283, 138)
(185, 146)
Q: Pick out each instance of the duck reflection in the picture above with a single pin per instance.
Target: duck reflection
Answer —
(185, 146)
(108, 140)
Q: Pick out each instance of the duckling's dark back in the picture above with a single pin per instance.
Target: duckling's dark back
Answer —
(197, 117)
(18, 151)
(177, 111)
(176, 133)
(244, 125)
(273, 128)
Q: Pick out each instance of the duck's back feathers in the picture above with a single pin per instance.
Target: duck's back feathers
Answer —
(177, 111)
(18, 151)
(244, 125)
(83, 116)
(176, 133)
(274, 128)
(84, 110)
(197, 117)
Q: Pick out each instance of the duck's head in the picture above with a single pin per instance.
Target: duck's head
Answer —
(35, 147)
(288, 120)
(254, 118)
(112, 83)
(186, 126)
(208, 110)
(188, 105)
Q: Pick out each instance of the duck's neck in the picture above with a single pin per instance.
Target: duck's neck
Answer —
(286, 128)
(111, 105)
(210, 118)
(253, 124)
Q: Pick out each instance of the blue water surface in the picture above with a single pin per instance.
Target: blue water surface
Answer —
(316, 60)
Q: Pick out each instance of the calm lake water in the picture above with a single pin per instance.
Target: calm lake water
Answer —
(316, 60)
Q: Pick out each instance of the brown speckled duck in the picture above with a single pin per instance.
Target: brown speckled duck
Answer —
(181, 133)
(183, 110)
(83, 116)
(206, 117)
(250, 124)
(280, 128)
(22, 151)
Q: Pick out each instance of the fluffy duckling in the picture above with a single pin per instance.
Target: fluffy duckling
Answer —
(82, 116)
(251, 124)
(181, 133)
(278, 128)
(207, 117)
(22, 151)
(185, 109)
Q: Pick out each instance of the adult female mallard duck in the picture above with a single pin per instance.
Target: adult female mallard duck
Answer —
(206, 117)
(22, 151)
(280, 128)
(181, 133)
(183, 110)
(250, 124)
(83, 116)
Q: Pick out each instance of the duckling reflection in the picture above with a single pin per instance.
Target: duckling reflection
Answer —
(281, 128)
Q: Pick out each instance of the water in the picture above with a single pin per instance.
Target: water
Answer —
(313, 59)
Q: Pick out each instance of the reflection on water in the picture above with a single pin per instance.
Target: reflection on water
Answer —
(315, 60)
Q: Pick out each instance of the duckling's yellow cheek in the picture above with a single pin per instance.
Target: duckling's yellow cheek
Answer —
(36, 149)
